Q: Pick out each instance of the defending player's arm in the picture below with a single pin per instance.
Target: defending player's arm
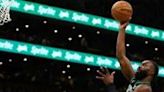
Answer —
(126, 67)
(108, 79)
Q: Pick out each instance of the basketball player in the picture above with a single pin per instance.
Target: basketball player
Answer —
(148, 70)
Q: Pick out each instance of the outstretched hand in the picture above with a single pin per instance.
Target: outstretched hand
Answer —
(123, 25)
(106, 77)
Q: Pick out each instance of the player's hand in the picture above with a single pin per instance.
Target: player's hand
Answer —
(123, 25)
(106, 77)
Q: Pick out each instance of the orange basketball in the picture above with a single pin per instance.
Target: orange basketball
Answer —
(122, 11)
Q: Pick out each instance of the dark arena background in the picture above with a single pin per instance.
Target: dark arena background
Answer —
(58, 45)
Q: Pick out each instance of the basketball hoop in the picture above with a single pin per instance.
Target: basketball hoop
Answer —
(5, 11)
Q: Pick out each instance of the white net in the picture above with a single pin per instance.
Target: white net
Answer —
(5, 11)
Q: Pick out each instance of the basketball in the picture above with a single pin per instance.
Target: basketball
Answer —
(122, 11)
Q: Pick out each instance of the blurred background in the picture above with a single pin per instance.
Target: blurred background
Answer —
(23, 73)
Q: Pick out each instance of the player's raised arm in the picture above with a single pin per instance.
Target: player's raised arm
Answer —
(126, 67)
